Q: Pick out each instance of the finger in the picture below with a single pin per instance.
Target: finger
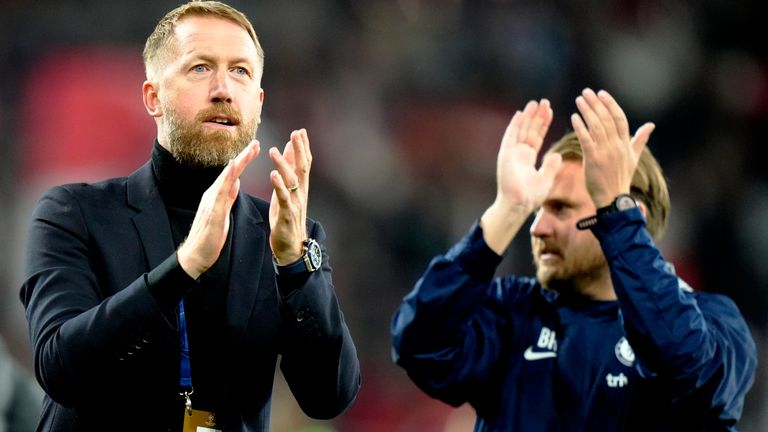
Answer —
(602, 112)
(301, 160)
(302, 155)
(233, 191)
(528, 114)
(582, 133)
(227, 184)
(550, 165)
(225, 188)
(539, 125)
(283, 166)
(510, 134)
(221, 186)
(248, 154)
(307, 151)
(280, 189)
(641, 138)
(595, 115)
(619, 117)
(297, 149)
(547, 116)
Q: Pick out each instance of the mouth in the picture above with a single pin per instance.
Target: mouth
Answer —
(549, 257)
(546, 254)
(221, 120)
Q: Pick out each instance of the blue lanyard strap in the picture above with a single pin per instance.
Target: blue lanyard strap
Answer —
(185, 382)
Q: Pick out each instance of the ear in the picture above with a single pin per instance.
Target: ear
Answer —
(643, 209)
(149, 93)
(261, 105)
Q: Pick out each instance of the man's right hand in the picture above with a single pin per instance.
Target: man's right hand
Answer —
(209, 230)
(520, 187)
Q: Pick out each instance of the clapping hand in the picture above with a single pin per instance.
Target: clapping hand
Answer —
(520, 187)
(610, 154)
(288, 208)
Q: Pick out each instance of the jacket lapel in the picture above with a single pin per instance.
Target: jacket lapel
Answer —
(151, 221)
(246, 266)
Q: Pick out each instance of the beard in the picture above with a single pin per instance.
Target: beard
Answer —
(192, 145)
(572, 273)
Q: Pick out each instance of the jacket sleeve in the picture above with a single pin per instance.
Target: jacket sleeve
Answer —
(319, 361)
(78, 335)
(700, 343)
(448, 332)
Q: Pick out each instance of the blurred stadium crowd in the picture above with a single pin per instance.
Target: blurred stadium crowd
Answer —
(405, 102)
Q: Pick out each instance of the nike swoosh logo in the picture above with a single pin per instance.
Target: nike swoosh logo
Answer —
(532, 355)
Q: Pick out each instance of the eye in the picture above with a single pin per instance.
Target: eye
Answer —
(239, 70)
(199, 68)
(558, 208)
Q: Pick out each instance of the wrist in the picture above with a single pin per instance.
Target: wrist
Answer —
(620, 203)
(310, 260)
(510, 210)
(287, 257)
(500, 223)
(605, 198)
(191, 266)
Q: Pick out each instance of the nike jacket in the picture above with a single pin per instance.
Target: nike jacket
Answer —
(660, 358)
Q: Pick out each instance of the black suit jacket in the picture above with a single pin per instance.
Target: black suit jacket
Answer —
(106, 350)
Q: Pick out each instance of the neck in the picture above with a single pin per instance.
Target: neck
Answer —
(595, 286)
(180, 185)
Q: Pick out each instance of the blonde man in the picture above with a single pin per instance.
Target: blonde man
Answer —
(606, 337)
(161, 301)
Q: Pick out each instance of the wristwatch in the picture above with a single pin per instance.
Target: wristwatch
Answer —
(620, 203)
(311, 260)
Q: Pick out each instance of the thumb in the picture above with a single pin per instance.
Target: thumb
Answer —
(641, 137)
(550, 165)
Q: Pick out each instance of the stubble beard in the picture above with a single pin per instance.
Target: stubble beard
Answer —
(572, 276)
(192, 145)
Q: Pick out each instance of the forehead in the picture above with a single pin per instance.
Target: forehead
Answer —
(569, 182)
(212, 34)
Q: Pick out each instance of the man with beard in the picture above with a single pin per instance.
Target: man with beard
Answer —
(162, 301)
(606, 337)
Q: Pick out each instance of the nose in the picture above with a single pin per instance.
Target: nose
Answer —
(220, 91)
(542, 224)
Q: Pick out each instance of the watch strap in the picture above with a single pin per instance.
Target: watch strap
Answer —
(590, 221)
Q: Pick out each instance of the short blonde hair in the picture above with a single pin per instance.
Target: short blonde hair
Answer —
(157, 43)
(648, 183)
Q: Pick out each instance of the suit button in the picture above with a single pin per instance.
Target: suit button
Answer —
(300, 316)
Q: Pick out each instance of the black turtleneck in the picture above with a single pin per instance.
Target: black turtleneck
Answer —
(181, 188)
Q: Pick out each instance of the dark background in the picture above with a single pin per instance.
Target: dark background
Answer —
(405, 102)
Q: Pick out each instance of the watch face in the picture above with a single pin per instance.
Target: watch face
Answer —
(315, 254)
(625, 202)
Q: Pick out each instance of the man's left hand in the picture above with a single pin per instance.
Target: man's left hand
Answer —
(610, 154)
(288, 208)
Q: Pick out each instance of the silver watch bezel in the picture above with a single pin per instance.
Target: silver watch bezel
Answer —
(313, 255)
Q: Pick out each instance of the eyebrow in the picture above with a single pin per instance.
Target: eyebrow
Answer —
(209, 59)
(559, 200)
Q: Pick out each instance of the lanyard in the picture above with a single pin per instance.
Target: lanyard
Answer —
(185, 381)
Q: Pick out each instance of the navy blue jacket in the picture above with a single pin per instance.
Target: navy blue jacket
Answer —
(660, 358)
